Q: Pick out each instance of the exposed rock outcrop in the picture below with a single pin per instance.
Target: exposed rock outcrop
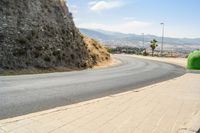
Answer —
(40, 34)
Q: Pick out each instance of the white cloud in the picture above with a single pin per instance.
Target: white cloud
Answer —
(129, 18)
(104, 5)
(126, 27)
(91, 3)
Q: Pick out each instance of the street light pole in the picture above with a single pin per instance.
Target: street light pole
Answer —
(143, 40)
(145, 51)
(163, 30)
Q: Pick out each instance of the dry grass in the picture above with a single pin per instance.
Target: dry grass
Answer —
(96, 50)
(36, 71)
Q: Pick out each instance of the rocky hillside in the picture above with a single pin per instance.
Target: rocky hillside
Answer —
(41, 34)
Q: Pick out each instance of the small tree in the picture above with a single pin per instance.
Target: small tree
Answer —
(153, 45)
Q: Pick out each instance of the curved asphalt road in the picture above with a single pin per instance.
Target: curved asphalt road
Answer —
(20, 95)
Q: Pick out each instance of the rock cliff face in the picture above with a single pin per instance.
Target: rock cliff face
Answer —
(40, 34)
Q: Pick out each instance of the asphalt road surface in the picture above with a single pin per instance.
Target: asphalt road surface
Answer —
(25, 94)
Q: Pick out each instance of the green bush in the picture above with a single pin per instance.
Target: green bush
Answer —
(110, 50)
(194, 60)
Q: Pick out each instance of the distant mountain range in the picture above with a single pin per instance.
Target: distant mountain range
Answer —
(116, 38)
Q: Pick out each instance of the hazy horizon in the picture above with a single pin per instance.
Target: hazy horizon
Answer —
(99, 30)
(139, 16)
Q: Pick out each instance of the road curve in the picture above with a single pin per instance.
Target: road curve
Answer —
(25, 94)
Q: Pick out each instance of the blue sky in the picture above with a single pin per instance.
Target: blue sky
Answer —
(181, 17)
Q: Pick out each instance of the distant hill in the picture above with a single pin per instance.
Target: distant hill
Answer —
(116, 38)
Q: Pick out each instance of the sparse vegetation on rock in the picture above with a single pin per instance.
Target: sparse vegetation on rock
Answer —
(96, 50)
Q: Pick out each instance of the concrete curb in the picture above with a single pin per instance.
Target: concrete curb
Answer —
(193, 71)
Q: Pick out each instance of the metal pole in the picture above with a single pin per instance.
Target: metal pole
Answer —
(143, 40)
(163, 30)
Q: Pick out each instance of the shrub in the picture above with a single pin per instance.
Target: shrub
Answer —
(194, 60)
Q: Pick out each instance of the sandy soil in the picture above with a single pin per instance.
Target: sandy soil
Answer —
(111, 62)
